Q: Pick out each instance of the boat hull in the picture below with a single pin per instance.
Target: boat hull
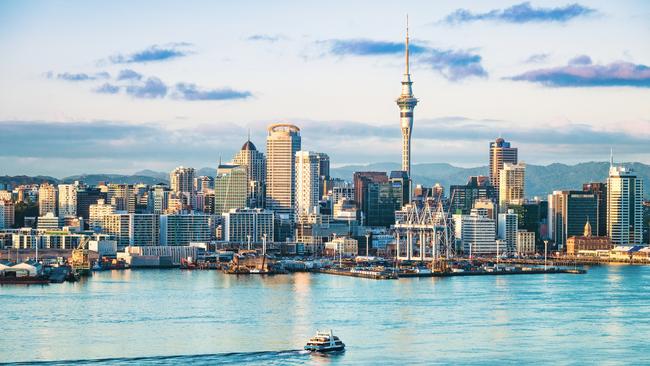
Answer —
(324, 349)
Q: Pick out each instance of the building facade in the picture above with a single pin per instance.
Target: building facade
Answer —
(511, 185)
(47, 197)
(240, 224)
(307, 182)
(282, 143)
(230, 188)
(624, 206)
(500, 153)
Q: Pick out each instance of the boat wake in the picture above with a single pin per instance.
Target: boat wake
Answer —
(287, 357)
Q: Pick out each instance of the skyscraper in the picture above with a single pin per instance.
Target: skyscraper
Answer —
(230, 188)
(181, 181)
(121, 196)
(511, 185)
(46, 199)
(406, 103)
(600, 190)
(67, 200)
(282, 143)
(624, 206)
(568, 212)
(500, 153)
(255, 165)
(307, 182)
(507, 230)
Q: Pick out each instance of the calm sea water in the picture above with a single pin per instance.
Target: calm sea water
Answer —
(161, 317)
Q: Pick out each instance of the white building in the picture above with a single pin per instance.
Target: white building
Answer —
(7, 213)
(624, 206)
(282, 143)
(307, 182)
(511, 185)
(525, 242)
(49, 222)
(97, 211)
(507, 230)
(477, 233)
(230, 188)
(46, 199)
(67, 200)
(184, 229)
(132, 229)
(239, 224)
(348, 247)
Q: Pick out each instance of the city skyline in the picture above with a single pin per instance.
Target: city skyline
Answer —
(120, 101)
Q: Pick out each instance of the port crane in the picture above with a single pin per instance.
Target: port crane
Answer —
(80, 258)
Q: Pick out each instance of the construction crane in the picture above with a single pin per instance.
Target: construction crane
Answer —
(80, 258)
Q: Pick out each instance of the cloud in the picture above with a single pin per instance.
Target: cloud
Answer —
(537, 58)
(187, 91)
(67, 76)
(153, 53)
(452, 64)
(522, 13)
(129, 74)
(580, 60)
(265, 37)
(581, 72)
(152, 88)
(107, 88)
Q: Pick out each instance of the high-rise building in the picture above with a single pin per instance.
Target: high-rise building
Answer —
(507, 230)
(67, 200)
(121, 196)
(361, 182)
(158, 199)
(185, 229)
(255, 164)
(87, 196)
(203, 183)
(525, 242)
(568, 211)
(96, 213)
(7, 214)
(624, 206)
(476, 233)
(307, 182)
(230, 188)
(132, 229)
(511, 185)
(239, 224)
(282, 143)
(500, 153)
(381, 200)
(325, 181)
(600, 222)
(47, 199)
(406, 103)
(181, 181)
(464, 196)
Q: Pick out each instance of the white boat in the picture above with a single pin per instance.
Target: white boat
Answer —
(324, 342)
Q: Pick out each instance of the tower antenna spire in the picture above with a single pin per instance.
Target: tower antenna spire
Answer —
(611, 157)
(407, 43)
(249, 134)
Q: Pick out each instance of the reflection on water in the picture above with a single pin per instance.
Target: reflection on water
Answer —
(149, 317)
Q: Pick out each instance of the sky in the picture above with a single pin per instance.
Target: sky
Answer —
(122, 86)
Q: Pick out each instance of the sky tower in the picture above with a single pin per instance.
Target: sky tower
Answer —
(406, 103)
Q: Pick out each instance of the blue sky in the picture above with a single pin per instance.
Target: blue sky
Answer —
(123, 86)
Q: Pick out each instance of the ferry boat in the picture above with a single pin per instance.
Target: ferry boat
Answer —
(324, 342)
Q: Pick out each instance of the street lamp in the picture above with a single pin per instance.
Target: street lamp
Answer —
(367, 246)
(545, 249)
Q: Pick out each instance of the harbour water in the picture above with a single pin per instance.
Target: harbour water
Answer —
(161, 317)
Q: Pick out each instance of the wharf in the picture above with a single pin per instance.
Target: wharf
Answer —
(495, 273)
(375, 275)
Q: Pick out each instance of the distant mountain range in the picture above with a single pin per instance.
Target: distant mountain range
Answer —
(540, 179)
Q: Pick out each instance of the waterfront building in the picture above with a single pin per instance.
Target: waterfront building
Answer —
(255, 164)
(345, 246)
(307, 182)
(47, 199)
(361, 181)
(158, 256)
(185, 229)
(488, 205)
(600, 190)
(121, 196)
(313, 230)
(525, 242)
(400, 180)
(67, 200)
(531, 216)
(500, 153)
(230, 188)
(587, 242)
(239, 224)
(624, 206)
(511, 185)
(49, 222)
(476, 233)
(282, 143)
(567, 214)
(507, 231)
(132, 229)
(464, 196)
(381, 202)
(87, 196)
(406, 103)
(97, 211)
(7, 214)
